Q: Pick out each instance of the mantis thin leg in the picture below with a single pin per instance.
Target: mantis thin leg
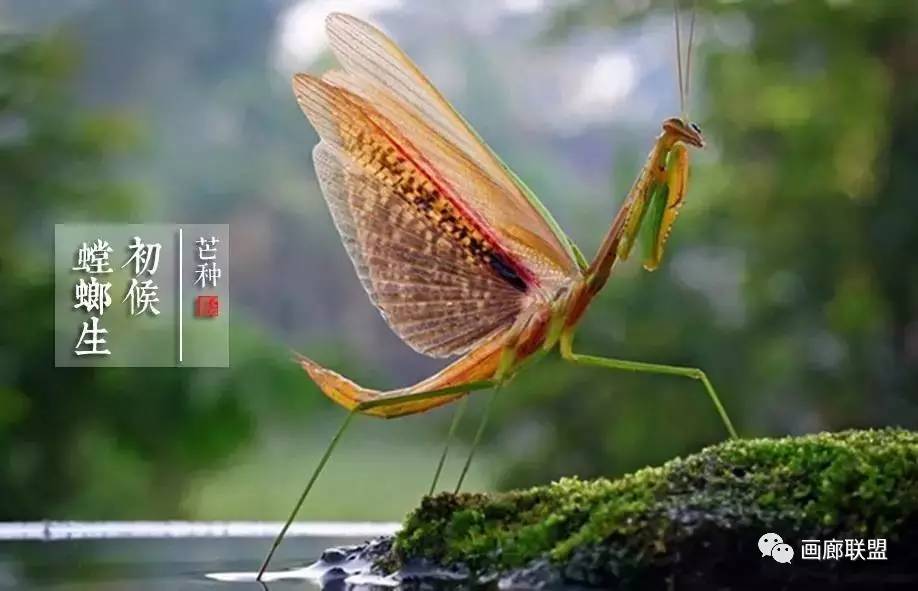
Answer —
(478, 434)
(498, 383)
(299, 502)
(639, 366)
(381, 402)
(449, 437)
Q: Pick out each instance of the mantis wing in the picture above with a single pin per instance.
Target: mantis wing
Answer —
(438, 278)
(377, 70)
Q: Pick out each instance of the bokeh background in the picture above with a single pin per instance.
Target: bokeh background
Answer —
(792, 275)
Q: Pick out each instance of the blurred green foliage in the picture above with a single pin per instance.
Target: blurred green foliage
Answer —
(115, 443)
(808, 197)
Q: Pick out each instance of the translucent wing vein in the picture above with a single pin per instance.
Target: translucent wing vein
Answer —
(376, 69)
(434, 296)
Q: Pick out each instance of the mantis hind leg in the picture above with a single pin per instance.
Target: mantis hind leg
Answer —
(481, 429)
(378, 403)
(305, 493)
(449, 437)
(508, 366)
(639, 366)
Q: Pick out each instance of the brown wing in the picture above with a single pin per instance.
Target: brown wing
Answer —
(437, 278)
(376, 69)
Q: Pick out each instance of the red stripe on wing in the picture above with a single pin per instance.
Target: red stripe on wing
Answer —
(448, 191)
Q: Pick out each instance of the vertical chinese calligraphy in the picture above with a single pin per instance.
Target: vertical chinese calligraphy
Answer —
(143, 295)
(123, 295)
(92, 259)
(206, 274)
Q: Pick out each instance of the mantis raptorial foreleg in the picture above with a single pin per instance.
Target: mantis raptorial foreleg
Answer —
(363, 406)
(640, 366)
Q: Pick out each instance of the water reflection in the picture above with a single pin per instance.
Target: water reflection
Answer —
(166, 555)
(345, 567)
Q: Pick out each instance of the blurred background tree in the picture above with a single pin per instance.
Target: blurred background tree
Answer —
(791, 276)
(119, 443)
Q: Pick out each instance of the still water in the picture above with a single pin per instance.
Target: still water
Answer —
(110, 556)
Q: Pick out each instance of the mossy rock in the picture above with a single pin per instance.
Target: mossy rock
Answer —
(693, 523)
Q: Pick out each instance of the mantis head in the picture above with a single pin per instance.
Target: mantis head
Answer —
(686, 132)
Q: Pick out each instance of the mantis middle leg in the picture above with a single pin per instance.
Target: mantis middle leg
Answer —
(620, 364)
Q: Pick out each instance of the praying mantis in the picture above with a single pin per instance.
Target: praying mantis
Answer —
(456, 252)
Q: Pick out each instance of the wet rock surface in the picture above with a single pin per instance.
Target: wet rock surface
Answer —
(693, 523)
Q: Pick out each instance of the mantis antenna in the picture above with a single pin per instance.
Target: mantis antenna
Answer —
(683, 78)
(679, 57)
(688, 56)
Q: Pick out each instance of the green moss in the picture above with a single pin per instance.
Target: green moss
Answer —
(854, 483)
